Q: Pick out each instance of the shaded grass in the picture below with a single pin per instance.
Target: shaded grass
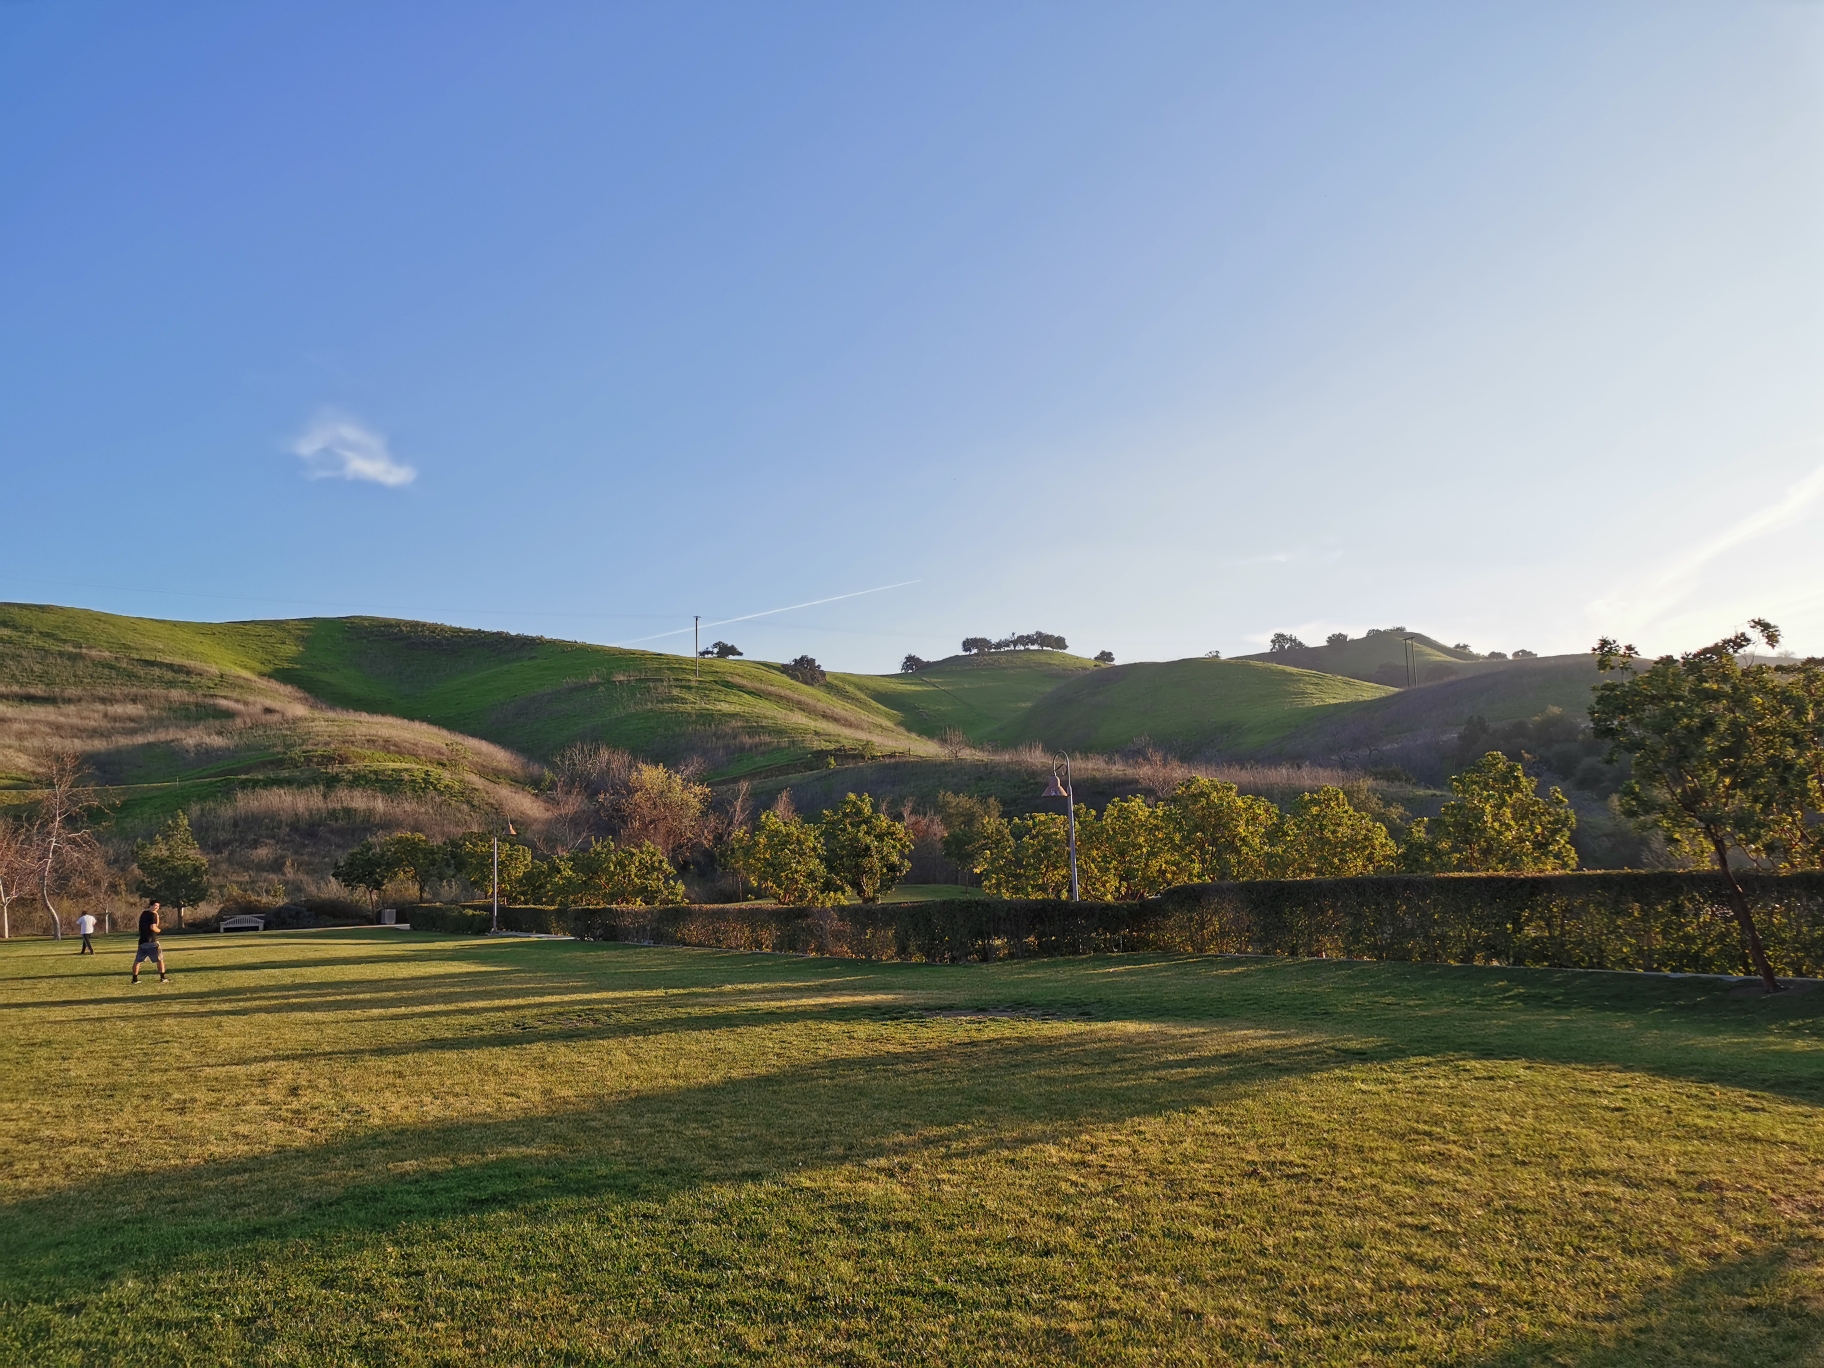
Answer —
(372, 1146)
(980, 696)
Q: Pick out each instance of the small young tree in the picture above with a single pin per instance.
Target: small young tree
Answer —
(964, 816)
(864, 850)
(16, 870)
(1726, 757)
(172, 868)
(1498, 824)
(1323, 837)
(61, 847)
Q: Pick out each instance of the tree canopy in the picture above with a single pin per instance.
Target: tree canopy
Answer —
(172, 868)
(1498, 823)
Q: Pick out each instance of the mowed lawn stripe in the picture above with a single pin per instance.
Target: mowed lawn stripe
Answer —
(381, 1146)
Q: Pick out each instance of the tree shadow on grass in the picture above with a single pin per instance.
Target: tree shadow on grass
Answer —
(967, 1096)
(1745, 1310)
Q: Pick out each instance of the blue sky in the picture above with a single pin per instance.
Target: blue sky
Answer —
(1161, 327)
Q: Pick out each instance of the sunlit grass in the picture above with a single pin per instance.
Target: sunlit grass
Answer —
(388, 1147)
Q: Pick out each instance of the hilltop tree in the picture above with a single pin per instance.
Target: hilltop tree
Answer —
(1336, 639)
(1497, 824)
(172, 868)
(805, 670)
(1285, 641)
(1726, 758)
(977, 645)
(721, 650)
(912, 664)
(1105, 657)
(866, 851)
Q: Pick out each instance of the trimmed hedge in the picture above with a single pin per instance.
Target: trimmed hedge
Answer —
(1664, 921)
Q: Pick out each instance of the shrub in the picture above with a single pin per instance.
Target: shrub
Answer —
(805, 670)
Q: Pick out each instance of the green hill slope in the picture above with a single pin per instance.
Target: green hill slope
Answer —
(527, 693)
(1186, 705)
(979, 695)
(1380, 658)
(1360, 731)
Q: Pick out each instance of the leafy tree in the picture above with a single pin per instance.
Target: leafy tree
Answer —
(1323, 837)
(622, 875)
(172, 868)
(1105, 657)
(1523, 654)
(1495, 655)
(1497, 824)
(471, 855)
(912, 664)
(721, 650)
(977, 645)
(1337, 639)
(1726, 757)
(1127, 853)
(662, 806)
(866, 851)
(784, 856)
(1218, 832)
(805, 670)
(964, 816)
(419, 857)
(1212, 655)
(1285, 641)
(1029, 857)
(370, 866)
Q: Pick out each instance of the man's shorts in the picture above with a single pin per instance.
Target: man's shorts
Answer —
(149, 950)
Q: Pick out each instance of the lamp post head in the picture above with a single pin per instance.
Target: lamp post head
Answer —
(1054, 789)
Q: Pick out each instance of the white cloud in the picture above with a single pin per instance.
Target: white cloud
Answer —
(335, 448)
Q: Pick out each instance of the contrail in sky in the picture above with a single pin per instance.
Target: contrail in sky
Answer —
(748, 617)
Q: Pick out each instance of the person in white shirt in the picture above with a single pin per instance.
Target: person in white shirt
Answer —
(86, 924)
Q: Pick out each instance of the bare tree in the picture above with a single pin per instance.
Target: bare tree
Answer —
(60, 845)
(954, 742)
(16, 870)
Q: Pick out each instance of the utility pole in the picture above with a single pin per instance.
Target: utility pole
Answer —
(696, 642)
(1411, 663)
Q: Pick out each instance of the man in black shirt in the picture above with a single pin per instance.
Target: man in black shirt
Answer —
(149, 948)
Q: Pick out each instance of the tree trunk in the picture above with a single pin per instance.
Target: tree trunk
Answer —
(1738, 901)
(44, 891)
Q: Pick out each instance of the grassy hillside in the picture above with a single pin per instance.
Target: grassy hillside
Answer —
(1380, 658)
(386, 1147)
(1361, 731)
(527, 693)
(983, 697)
(1186, 705)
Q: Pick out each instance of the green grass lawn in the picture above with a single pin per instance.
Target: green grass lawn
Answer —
(981, 696)
(385, 1147)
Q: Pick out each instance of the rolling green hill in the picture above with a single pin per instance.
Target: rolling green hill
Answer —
(527, 693)
(1380, 658)
(1237, 706)
(981, 696)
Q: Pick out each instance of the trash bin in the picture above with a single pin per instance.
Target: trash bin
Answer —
(389, 916)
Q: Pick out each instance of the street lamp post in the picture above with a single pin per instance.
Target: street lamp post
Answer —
(496, 883)
(1063, 788)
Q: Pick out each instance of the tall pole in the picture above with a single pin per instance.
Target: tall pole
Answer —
(1070, 806)
(696, 642)
(497, 883)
